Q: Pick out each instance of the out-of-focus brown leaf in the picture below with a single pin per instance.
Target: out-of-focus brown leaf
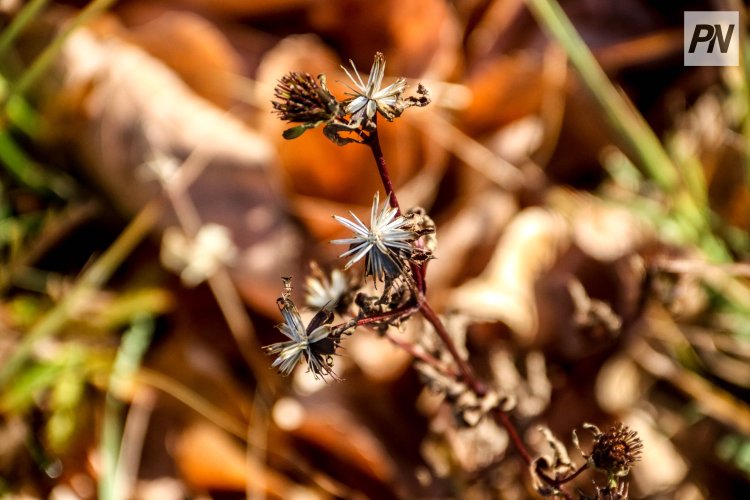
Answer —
(212, 59)
(619, 385)
(604, 231)
(380, 360)
(420, 38)
(640, 50)
(339, 434)
(236, 8)
(505, 89)
(661, 466)
(465, 238)
(705, 133)
(209, 459)
(122, 109)
(505, 290)
(492, 23)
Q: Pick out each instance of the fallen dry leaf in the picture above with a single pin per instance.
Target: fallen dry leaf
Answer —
(505, 289)
(130, 110)
(212, 62)
(209, 459)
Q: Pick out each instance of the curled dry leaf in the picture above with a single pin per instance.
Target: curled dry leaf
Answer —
(466, 237)
(480, 446)
(530, 395)
(505, 289)
(603, 230)
(121, 108)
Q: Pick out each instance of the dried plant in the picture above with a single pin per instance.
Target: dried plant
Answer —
(396, 248)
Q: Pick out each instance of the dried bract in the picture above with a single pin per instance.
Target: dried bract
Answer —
(314, 342)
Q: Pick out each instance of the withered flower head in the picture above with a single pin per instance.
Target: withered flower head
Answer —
(385, 244)
(614, 451)
(313, 342)
(302, 99)
(367, 98)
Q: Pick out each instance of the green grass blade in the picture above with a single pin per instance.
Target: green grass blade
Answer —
(623, 117)
(22, 19)
(134, 344)
(20, 166)
(43, 60)
(94, 277)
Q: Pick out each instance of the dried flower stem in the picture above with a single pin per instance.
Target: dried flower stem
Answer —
(409, 347)
(467, 374)
(577, 473)
(503, 419)
(374, 142)
(401, 311)
(464, 369)
(558, 483)
(421, 355)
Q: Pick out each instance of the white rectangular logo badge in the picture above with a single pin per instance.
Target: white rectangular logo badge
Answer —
(712, 38)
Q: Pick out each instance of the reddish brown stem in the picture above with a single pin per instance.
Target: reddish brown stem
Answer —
(401, 311)
(559, 482)
(374, 143)
(421, 355)
(467, 374)
(503, 419)
(465, 370)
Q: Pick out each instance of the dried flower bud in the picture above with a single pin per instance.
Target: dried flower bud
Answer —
(614, 451)
(303, 100)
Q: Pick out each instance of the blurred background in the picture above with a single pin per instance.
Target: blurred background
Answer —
(595, 262)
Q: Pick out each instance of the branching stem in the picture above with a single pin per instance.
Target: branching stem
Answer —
(465, 371)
